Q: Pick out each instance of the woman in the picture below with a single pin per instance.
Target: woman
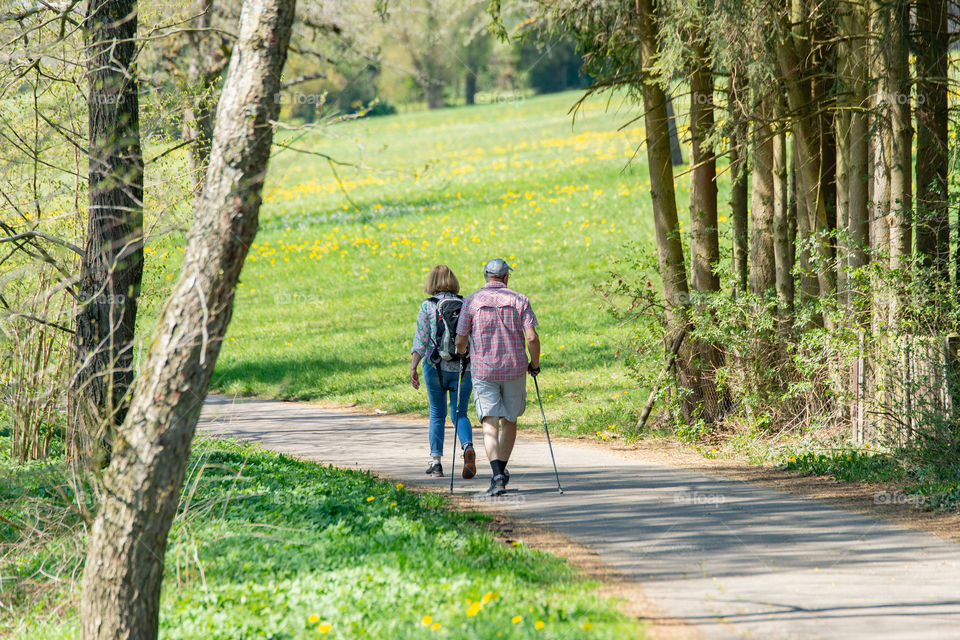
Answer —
(441, 375)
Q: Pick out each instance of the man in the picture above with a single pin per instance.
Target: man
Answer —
(495, 321)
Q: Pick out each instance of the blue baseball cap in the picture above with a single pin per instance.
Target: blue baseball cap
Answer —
(497, 267)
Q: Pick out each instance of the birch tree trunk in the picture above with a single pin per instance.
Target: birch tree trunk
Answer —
(124, 566)
(112, 266)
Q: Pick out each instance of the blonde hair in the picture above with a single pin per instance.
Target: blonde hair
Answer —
(441, 278)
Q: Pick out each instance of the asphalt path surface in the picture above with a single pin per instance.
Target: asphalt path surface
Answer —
(731, 559)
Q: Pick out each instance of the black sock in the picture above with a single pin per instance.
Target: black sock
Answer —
(498, 467)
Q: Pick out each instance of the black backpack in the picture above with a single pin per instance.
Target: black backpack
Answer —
(444, 341)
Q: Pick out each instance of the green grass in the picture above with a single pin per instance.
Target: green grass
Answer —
(932, 484)
(267, 546)
(329, 294)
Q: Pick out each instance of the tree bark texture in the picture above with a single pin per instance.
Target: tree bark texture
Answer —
(124, 566)
(762, 265)
(704, 233)
(855, 67)
(676, 151)
(203, 73)
(809, 288)
(782, 251)
(666, 223)
(901, 141)
(807, 139)
(739, 189)
(112, 266)
(932, 215)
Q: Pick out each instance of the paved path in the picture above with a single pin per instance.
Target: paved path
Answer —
(733, 559)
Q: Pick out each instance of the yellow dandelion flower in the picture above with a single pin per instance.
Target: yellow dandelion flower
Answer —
(313, 619)
(434, 626)
(325, 627)
(539, 624)
(426, 620)
(587, 626)
(370, 498)
(474, 609)
(516, 619)
(399, 486)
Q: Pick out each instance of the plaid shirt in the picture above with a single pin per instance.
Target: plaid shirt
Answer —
(494, 317)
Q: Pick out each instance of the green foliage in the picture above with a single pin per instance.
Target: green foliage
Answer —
(849, 465)
(267, 546)
(550, 63)
(924, 482)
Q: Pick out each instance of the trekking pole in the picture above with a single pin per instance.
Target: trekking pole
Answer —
(456, 416)
(555, 472)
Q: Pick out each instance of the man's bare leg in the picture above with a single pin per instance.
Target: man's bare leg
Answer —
(491, 437)
(506, 438)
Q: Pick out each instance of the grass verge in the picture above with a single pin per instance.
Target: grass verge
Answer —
(267, 546)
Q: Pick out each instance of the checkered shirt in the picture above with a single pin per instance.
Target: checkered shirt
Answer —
(494, 317)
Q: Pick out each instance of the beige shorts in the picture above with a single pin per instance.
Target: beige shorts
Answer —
(500, 398)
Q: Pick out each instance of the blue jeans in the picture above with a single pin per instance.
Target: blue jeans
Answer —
(440, 384)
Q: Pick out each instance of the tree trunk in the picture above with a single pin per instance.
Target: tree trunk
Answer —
(881, 143)
(782, 251)
(806, 137)
(704, 232)
(676, 152)
(762, 264)
(470, 87)
(901, 147)
(809, 288)
(124, 567)
(842, 123)
(673, 271)
(933, 219)
(858, 145)
(203, 72)
(704, 235)
(739, 187)
(112, 266)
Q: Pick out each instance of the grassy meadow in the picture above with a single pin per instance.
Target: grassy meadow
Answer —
(329, 295)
